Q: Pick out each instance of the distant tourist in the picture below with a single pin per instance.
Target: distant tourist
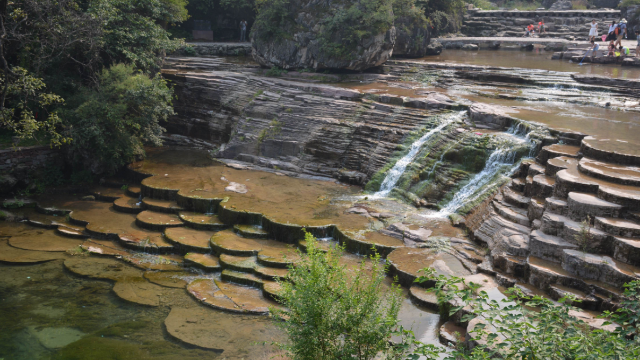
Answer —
(612, 31)
(612, 48)
(593, 33)
(529, 30)
(541, 28)
(243, 31)
(594, 49)
(638, 44)
(622, 31)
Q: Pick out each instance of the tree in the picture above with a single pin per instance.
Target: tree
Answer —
(510, 330)
(113, 121)
(334, 313)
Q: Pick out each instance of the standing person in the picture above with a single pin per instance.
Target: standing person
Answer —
(612, 28)
(541, 28)
(243, 31)
(593, 33)
(638, 44)
(622, 31)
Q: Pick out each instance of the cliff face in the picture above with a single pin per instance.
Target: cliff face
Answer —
(351, 35)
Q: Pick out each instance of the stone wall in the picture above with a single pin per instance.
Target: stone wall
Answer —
(216, 49)
(570, 25)
(17, 165)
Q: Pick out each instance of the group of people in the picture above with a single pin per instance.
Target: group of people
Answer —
(617, 31)
(531, 29)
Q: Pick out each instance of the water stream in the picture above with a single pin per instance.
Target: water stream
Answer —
(502, 162)
(399, 168)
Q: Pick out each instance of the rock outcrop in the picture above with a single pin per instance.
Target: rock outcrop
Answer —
(562, 5)
(412, 35)
(315, 38)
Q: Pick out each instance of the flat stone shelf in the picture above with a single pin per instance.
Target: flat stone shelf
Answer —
(251, 231)
(133, 191)
(573, 180)
(128, 205)
(618, 227)
(145, 240)
(581, 205)
(559, 163)
(170, 279)
(611, 150)
(163, 206)
(599, 267)
(206, 262)
(238, 263)
(626, 250)
(157, 221)
(106, 193)
(230, 297)
(189, 240)
(201, 221)
(241, 278)
(269, 252)
(620, 174)
(71, 232)
(557, 150)
(45, 240)
(548, 247)
(406, 262)
(269, 273)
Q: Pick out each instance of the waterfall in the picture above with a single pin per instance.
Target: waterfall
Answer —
(398, 169)
(502, 162)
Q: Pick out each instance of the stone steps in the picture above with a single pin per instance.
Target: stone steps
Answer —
(582, 205)
(535, 209)
(200, 221)
(536, 169)
(610, 151)
(107, 194)
(206, 262)
(157, 221)
(618, 227)
(599, 268)
(516, 198)
(548, 247)
(568, 230)
(518, 184)
(556, 206)
(251, 231)
(241, 278)
(129, 205)
(559, 163)
(163, 206)
(572, 180)
(557, 150)
(542, 186)
(515, 215)
(189, 240)
(626, 250)
(619, 174)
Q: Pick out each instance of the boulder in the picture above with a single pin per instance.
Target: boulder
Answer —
(7, 183)
(434, 48)
(562, 5)
(312, 35)
(412, 33)
(470, 47)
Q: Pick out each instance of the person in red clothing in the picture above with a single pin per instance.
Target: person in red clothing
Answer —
(541, 27)
(529, 31)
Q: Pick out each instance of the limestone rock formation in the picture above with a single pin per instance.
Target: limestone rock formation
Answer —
(561, 5)
(315, 37)
(412, 33)
(434, 48)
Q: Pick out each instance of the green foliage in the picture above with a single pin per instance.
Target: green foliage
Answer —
(24, 96)
(532, 328)
(275, 72)
(3, 215)
(626, 3)
(112, 123)
(332, 312)
(133, 33)
(52, 175)
(346, 28)
(273, 19)
(81, 177)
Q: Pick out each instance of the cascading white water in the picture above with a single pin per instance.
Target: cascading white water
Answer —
(398, 169)
(502, 161)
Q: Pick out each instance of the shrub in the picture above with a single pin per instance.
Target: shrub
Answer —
(532, 328)
(112, 123)
(336, 313)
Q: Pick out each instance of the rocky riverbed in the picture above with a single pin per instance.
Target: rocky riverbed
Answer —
(475, 171)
